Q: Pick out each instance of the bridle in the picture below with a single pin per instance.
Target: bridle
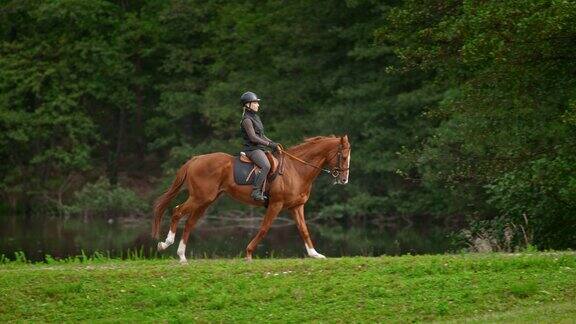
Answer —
(336, 170)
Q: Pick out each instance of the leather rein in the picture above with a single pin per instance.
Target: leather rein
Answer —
(335, 172)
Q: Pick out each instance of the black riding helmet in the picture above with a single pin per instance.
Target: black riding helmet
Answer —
(248, 97)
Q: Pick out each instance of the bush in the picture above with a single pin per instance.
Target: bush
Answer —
(543, 193)
(103, 199)
(496, 235)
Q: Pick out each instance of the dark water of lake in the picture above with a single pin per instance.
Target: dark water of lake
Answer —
(213, 237)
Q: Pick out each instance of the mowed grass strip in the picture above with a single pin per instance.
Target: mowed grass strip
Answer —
(480, 287)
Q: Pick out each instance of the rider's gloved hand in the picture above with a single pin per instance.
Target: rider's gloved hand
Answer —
(273, 145)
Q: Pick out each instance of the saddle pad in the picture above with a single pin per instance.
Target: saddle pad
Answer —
(244, 173)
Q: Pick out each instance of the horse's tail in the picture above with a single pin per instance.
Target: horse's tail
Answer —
(163, 201)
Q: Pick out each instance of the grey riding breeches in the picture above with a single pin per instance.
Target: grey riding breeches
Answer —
(260, 159)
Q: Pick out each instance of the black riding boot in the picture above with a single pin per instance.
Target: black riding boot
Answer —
(257, 193)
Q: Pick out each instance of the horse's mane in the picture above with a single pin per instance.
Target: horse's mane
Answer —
(307, 142)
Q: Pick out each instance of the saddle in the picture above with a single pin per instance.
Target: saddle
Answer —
(245, 170)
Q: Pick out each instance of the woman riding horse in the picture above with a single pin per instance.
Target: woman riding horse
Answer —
(208, 176)
(255, 142)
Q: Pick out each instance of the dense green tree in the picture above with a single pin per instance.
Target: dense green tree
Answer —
(72, 84)
(508, 68)
(57, 65)
(454, 108)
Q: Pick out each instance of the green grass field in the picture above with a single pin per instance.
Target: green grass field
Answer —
(538, 287)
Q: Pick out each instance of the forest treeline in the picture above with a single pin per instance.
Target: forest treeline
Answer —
(458, 111)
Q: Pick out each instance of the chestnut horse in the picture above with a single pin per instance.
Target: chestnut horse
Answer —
(208, 176)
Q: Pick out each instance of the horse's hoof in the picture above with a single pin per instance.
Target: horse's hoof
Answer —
(248, 259)
(162, 246)
(184, 262)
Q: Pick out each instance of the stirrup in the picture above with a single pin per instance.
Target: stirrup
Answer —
(258, 195)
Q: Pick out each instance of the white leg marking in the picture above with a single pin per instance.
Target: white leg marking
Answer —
(182, 252)
(169, 241)
(313, 254)
(170, 237)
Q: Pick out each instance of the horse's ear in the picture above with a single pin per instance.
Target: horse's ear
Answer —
(344, 140)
